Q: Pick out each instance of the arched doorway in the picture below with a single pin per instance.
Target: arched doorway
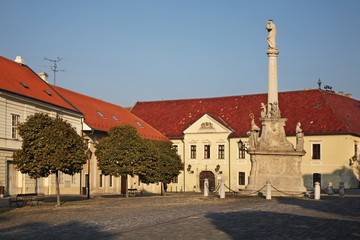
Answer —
(209, 175)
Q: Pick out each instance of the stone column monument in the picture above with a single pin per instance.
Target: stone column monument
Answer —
(273, 158)
(272, 52)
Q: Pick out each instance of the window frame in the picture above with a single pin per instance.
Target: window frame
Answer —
(221, 151)
(100, 180)
(319, 175)
(207, 151)
(193, 151)
(175, 179)
(241, 178)
(316, 153)
(15, 120)
(176, 148)
(241, 150)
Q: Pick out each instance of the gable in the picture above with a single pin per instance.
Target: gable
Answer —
(206, 124)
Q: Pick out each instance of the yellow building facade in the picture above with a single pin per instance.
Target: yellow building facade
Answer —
(210, 135)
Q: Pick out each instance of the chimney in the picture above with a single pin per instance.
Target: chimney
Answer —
(349, 95)
(20, 60)
(341, 93)
(307, 89)
(44, 76)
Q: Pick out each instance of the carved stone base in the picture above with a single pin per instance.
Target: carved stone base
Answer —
(274, 159)
(281, 169)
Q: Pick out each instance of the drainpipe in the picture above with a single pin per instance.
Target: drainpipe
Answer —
(184, 161)
(229, 163)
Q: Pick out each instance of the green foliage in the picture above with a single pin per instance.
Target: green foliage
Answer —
(125, 152)
(168, 163)
(119, 154)
(49, 145)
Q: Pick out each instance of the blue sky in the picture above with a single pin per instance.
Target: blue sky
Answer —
(128, 51)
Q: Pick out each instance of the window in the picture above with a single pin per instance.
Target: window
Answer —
(115, 118)
(241, 150)
(73, 179)
(48, 93)
(206, 151)
(316, 151)
(110, 181)
(221, 151)
(356, 151)
(101, 115)
(316, 178)
(101, 180)
(193, 151)
(15, 120)
(241, 178)
(176, 148)
(175, 179)
(24, 85)
(139, 124)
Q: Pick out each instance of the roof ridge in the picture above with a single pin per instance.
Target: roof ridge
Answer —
(206, 98)
(89, 96)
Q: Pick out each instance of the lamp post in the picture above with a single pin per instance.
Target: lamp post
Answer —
(89, 154)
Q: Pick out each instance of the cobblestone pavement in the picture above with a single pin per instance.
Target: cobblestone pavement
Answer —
(185, 216)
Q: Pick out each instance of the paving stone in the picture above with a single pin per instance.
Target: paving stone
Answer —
(185, 216)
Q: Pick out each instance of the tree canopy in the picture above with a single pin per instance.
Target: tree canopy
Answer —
(120, 153)
(49, 145)
(168, 164)
(125, 152)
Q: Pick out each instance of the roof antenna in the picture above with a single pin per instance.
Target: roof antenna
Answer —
(54, 67)
(319, 83)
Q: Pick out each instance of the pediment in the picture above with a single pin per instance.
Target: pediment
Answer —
(207, 124)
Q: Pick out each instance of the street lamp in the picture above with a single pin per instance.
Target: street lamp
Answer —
(89, 154)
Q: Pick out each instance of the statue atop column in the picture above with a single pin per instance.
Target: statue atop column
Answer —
(270, 26)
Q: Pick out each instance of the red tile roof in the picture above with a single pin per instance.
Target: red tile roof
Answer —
(319, 112)
(21, 80)
(114, 115)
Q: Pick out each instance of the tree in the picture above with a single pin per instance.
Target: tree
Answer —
(49, 145)
(120, 153)
(124, 152)
(167, 164)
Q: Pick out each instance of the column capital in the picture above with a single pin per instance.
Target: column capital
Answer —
(272, 52)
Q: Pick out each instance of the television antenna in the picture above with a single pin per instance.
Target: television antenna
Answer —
(54, 68)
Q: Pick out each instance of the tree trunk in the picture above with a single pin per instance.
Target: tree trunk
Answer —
(57, 190)
(126, 189)
(163, 192)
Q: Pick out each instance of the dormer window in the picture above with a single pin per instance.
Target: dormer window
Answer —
(47, 93)
(139, 123)
(24, 85)
(100, 114)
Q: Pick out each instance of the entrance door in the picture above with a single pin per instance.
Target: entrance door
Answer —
(209, 175)
(316, 178)
(11, 179)
(123, 184)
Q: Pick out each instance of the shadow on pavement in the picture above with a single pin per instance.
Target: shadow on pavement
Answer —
(348, 206)
(272, 225)
(65, 198)
(41, 230)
